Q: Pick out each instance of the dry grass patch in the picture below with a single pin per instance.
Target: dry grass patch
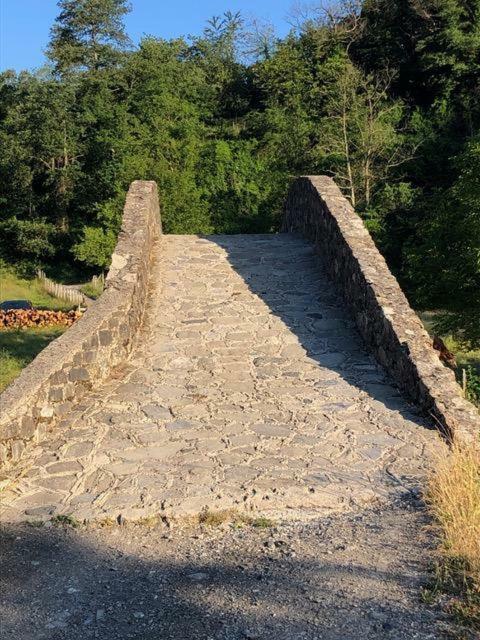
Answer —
(233, 517)
(217, 518)
(453, 496)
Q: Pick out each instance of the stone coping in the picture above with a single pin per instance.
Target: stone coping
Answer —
(75, 362)
(316, 208)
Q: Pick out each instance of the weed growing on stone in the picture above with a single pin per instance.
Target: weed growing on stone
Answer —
(65, 521)
(262, 523)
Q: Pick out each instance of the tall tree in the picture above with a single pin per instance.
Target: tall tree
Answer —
(88, 35)
(443, 257)
(382, 95)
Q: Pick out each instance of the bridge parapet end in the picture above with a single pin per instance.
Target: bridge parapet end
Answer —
(316, 208)
(77, 361)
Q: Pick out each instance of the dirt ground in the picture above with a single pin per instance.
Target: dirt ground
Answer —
(351, 576)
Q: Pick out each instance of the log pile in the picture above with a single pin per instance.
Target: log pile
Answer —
(27, 318)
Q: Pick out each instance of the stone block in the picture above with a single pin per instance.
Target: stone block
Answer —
(59, 378)
(94, 342)
(89, 357)
(17, 447)
(77, 359)
(12, 430)
(63, 408)
(124, 330)
(56, 394)
(46, 412)
(105, 337)
(69, 467)
(79, 374)
(69, 391)
(40, 431)
(3, 454)
(28, 427)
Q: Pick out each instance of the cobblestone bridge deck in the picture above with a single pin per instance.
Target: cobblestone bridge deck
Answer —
(250, 389)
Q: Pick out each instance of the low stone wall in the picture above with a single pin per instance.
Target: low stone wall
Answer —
(75, 362)
(316, 208)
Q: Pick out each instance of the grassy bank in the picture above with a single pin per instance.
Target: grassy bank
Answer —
(12, 287)
(468, 361)
(453, 496)
(18, 348)
(469, 366)
(92, 290)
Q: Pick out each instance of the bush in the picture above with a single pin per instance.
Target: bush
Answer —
(27, 241)
(472, 391)
(96, 247)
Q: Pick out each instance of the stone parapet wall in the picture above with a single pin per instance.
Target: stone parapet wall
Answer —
(316, 208)
(84, 355)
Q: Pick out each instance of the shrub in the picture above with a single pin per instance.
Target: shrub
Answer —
(472, 391)
(28, 242)
(96, 247)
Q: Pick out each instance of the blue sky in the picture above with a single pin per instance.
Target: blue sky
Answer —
(25, 24)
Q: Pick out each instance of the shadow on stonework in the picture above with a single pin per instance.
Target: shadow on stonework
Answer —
(284, 271)
(61, 584)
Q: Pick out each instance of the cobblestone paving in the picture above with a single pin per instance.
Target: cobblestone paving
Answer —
(250, 389)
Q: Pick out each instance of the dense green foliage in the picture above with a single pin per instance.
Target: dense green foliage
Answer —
(384, 96)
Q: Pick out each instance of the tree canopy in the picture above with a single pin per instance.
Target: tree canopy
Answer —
(383, 96)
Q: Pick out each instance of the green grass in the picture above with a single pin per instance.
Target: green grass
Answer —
(91, 290)
(13, 288)
(19, 347)
(468, 360)
(262, 522)
(464, 357)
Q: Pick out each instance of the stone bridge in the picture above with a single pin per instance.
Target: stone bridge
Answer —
(281, 374)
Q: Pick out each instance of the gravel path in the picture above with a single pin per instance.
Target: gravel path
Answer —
(355, 576)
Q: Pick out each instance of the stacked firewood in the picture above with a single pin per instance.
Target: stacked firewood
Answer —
(26, 318)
